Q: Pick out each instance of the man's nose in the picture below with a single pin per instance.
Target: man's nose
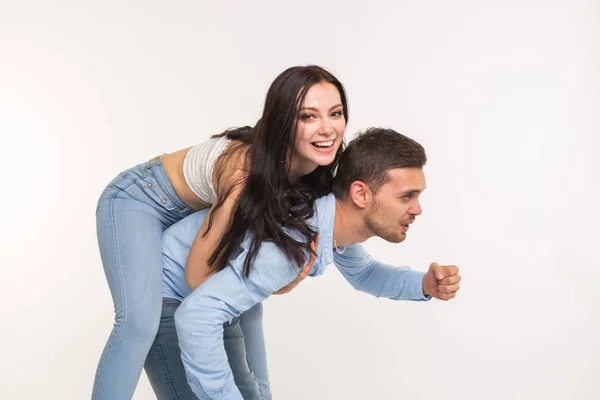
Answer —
(416, 209)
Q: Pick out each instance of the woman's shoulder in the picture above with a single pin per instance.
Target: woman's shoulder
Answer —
(232, 166)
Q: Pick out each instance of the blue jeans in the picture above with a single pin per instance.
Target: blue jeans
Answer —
(255, 349)
(131, 215)
(166, 372)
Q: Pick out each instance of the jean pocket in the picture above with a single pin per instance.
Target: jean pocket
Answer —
(151, 188)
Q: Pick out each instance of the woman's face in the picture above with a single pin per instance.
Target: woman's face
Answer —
(321, 126)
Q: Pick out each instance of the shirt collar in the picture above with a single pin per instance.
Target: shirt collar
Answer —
(325, 217)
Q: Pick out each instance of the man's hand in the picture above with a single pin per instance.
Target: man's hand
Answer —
(441, 281)
(305, 271)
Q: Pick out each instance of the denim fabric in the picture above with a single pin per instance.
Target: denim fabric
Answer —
(166, 372)
(132, 212)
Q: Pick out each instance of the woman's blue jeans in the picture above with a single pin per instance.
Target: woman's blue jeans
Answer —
(132, 212)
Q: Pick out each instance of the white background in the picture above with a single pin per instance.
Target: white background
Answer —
(504, 95)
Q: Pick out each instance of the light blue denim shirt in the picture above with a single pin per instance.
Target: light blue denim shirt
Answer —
(227, 294)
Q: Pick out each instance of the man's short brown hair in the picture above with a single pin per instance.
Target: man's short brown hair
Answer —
(372, 153)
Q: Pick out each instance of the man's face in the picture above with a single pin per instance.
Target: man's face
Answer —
(396, 204)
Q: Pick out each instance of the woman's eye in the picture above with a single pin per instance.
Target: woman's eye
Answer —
(307, 117)
(337, 114)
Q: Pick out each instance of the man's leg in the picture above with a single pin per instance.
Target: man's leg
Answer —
(163, 364)
(256, 353)
(237, 357)
(165, 369)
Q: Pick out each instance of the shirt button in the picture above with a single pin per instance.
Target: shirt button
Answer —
(163, 201)
(149, 185)
(222, 302)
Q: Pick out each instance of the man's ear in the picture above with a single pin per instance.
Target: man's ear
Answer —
(360, 194)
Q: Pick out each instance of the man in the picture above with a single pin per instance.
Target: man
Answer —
(375, 193)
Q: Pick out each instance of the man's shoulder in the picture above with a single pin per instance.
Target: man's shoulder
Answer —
(324, 211)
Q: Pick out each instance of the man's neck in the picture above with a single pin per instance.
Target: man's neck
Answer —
(348, 226)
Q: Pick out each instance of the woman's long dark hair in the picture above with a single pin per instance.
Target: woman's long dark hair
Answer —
(270, 204)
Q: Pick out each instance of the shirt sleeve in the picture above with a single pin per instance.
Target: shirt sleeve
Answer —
(199, 322)
(368, 275)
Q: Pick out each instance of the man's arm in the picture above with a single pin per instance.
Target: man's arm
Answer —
(199, 321)
(368, 275)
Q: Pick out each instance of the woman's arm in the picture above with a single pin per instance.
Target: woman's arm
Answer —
(228, 180)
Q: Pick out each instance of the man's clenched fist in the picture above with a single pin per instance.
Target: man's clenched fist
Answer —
(441, 281)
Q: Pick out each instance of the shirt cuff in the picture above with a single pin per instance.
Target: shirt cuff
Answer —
(418, 288)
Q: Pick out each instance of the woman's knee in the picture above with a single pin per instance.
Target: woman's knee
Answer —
(139, 324)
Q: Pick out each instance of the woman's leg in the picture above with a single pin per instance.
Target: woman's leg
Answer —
(132, 212)
(256, 353)
(129, 237)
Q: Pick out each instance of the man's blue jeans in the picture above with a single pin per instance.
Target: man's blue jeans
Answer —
(245, 354)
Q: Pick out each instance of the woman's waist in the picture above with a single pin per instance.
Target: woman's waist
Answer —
(173, 164)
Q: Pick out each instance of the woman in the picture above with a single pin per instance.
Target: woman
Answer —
(267, 176)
